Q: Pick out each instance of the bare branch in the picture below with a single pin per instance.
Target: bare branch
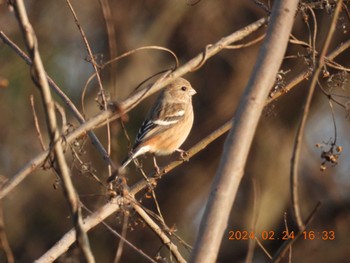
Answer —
(4, 244)
(237, 145)
(63, 97)
(99, 81)
(111, 34)
(159, 232)
(36, 123)
(288, 244)
(96, 218)
(39, 78)
(300, 131)
(255, 214)
(119, 251)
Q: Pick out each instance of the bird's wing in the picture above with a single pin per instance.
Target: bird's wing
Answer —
(160, 119)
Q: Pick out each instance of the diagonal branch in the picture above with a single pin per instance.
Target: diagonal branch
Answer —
(159, 232)
(97, 72)
(65, 99)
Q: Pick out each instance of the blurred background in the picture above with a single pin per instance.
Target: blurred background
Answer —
(36, 213)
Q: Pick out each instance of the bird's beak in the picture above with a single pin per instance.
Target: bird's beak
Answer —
(193, 92)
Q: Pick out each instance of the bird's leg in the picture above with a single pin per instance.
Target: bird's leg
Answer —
(116, 184)
(183, 154)
(156, 167)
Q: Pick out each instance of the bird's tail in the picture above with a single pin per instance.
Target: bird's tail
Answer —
(120, 170)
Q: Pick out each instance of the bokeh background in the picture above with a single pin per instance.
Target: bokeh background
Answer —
(36, 213)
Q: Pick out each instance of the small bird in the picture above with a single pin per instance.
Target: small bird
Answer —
(166, 126)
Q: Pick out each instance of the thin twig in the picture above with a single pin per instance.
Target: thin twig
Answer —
(4, 243)
(287, 232)
(90, 222)
(314, 35)
(159, 232)
(334, 122)
(119, 252)
(127, 242)
(262, 6)
(244, 45)
(120, 236)
(39, 78)
(278, 256)
(340, 49)
(295, 155)
(62, 113)
(111, 35)
(99, 81)
(304, 75)
(252, 241)
(88, 48)
(263, 248)
(346, 11)
(36, 123)
(124, 55)
(63, 97)
(329, 62)
(169, 230)
(300, 131)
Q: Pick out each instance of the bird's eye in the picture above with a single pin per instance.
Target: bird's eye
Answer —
(183, 88)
